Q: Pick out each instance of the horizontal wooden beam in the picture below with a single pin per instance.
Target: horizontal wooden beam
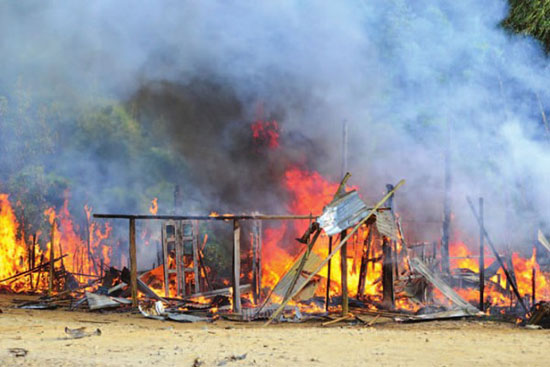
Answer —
(226, 217)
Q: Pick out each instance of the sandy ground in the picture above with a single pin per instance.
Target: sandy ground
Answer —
(130, 340)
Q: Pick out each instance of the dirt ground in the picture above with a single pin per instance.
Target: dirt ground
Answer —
(131, 340)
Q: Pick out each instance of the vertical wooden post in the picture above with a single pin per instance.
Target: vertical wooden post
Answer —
(364, 263)
(259, 257)
(344, 274)
(52, 257)
(31, 256)
(534, 287)
(254, 242)
(236, 266)
(481, 258)
(327, 297)
(344, 148)
(196, 262)
(133, 262)
(388, 262)
(387, 274)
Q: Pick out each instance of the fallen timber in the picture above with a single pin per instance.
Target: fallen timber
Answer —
(30, 271)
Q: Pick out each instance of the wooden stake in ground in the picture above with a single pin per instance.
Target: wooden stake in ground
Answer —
(133, 263)
(52, 253)
(236, 280)
(534, 286)
(364, 263)
(327, 297)
(344, 274)
(387, 274)
(343, 242)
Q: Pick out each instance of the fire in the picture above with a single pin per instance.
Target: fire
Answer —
(83, 256)
(13, 252)
(154, 208)
(309, 192)
(496, 293)
(266, 133)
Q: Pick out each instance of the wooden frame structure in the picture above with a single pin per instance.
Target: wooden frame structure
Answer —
(235, 219)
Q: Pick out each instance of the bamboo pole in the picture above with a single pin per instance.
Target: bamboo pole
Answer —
(343, 242)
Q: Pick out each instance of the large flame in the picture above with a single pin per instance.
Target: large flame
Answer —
(83, 253)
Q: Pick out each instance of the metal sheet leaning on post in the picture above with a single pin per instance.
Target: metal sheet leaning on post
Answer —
(336, 249)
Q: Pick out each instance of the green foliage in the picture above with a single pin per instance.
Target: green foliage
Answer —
(530, 18)
(98, 153)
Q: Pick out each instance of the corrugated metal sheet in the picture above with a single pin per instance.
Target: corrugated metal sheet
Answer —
(385, 224)
(343, 213)
(348, 210)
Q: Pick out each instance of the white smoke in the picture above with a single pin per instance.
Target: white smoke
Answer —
(404, 74)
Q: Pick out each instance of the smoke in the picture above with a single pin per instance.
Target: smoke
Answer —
(412, 79)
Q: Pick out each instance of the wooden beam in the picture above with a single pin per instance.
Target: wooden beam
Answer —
(214, 217)
(236, 281)
(133, 263)
(344, 274)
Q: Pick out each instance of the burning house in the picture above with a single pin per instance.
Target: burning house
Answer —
(343, 258)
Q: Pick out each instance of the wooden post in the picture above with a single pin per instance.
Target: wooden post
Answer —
(534, 287)
(31, 256)
(388, 261)
(255, 260)
(364, 264)
(259, 258)
(133, 262)
(52, 254)
(344, 274)
(196, 257)
(481, 258)
(387, 274)
(327, 297)
(236, 281)
(344, 148)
